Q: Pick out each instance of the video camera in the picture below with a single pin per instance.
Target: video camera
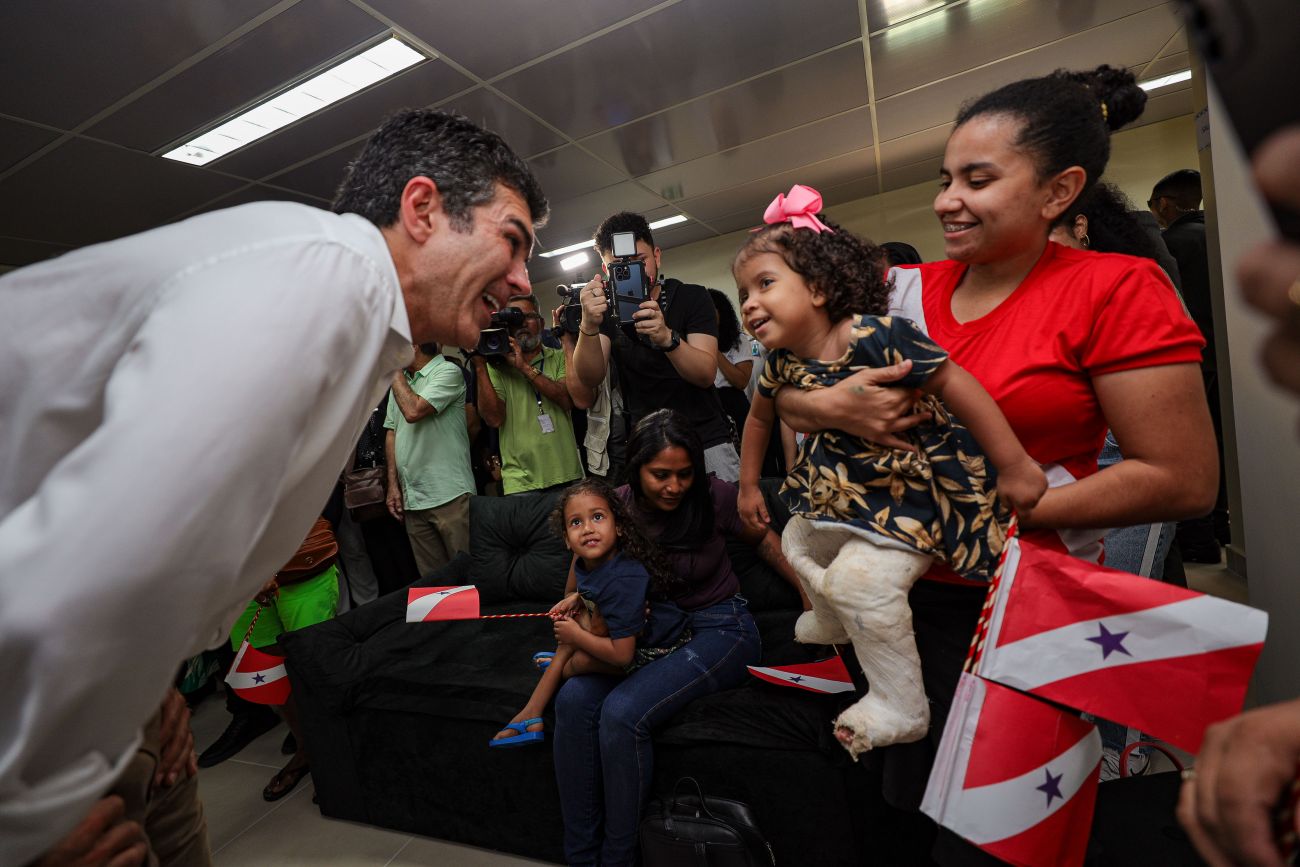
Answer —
(571, 317)
(495, 339)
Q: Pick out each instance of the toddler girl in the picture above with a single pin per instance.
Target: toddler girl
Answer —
(615, 617)
(868, 520)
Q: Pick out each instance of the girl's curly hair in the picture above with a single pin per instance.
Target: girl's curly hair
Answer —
(848, 271)
(633, 543)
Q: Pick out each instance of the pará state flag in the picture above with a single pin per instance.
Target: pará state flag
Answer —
(258, 677)
(826, 675)
(1015, 776)
(1160, 658)
(427, 604)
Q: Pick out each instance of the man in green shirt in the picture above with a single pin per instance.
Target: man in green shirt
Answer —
(525, 395)
(429, 475)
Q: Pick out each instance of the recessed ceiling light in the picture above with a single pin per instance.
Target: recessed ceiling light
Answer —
(1165, 80)
(321, 90)
(570, 262)
(657, 224)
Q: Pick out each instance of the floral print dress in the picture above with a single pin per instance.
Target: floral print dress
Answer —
(940, 500)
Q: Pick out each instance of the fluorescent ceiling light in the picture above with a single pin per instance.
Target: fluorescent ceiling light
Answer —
(657, 224)
(1165, 80)
(356, 73)
(577, 259)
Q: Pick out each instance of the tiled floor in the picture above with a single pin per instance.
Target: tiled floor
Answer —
(246, 831)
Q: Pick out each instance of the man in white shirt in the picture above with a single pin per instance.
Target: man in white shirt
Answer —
(175, 407)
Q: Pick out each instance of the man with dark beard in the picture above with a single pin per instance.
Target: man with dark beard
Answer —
(524, 394)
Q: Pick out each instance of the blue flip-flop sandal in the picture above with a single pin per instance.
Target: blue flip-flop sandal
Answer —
(542, 659)
(524, 738)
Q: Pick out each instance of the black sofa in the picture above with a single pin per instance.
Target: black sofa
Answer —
(397, 719)
(397, 716)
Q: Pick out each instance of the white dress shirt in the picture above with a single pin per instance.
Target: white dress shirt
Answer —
(175, 408)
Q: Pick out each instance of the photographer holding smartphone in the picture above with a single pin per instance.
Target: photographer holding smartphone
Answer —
(665, 347)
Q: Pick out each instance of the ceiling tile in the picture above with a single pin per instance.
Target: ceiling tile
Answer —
(574, 220)
(972, 34)
(16, 252)
(1130, 42)
(925, 171)
(706, 45)
(817, 141)
(110, 192)
(910, 149)
(1166, 64)
(525, 135)
(263, 61)
(414, 88)
(756, 195)
(63, 62)
(321, 176)
(818, 87)
(19, 140)
(1169, 102)
(568, 172)
(888, 13)
(488, 37)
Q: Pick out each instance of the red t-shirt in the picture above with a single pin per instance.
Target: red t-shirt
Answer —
(1076, 315)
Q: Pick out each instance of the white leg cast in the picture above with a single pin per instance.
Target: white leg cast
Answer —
(808, 552)
(867, 586)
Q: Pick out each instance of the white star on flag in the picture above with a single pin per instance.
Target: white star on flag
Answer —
(428, 604)
(1096, 639)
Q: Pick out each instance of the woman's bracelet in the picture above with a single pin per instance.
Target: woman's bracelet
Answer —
(588, 333)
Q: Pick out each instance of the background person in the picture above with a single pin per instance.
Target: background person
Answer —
(670, 359)
(737, 352)
(604, 758)
(429, 476)
(434, 226)
(526, 396)
(1068, 343)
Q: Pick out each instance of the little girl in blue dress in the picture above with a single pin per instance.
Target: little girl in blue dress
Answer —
(868, 520)
(617, 618)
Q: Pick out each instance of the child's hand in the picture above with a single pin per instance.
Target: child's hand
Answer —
(1021, 486)
(566, 630)
(752, 508)
(566, 606)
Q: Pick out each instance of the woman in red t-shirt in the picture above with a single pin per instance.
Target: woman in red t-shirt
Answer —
(1068, 342)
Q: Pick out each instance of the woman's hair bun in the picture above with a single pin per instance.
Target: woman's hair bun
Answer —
(1117, 88)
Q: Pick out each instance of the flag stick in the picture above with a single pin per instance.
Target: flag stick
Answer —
(982, 627)
(506, 616)
(252, 623)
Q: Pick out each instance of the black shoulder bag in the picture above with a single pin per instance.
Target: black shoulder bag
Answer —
(692, 830)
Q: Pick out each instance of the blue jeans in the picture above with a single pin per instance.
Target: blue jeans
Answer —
(604, 760)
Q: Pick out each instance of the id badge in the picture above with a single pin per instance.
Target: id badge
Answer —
(547, 425)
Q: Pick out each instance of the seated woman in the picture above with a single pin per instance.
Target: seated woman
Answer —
(604, 759)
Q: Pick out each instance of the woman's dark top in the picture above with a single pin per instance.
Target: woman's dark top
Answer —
(707, 570)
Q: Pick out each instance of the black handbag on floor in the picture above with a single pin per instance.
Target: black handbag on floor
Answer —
(692, 830)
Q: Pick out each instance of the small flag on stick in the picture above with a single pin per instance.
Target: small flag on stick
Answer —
(826, 675)
(428, 604)
(258, 677)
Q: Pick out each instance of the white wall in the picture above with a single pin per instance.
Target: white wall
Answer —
(1139, 158)
(1263, 421)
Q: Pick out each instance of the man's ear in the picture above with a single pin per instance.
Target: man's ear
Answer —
(658, 265)
(1062, 190)
(420, 210)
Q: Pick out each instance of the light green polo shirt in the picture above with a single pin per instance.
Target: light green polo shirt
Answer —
(433, 453)
(530, 459)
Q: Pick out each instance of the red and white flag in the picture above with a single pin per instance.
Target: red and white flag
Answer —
(1160, 658)
(258, 677)
(1015, 776)
(427, 604)
(826, 675)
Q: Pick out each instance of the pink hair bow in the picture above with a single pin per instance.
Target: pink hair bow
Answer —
(799, 207)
